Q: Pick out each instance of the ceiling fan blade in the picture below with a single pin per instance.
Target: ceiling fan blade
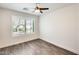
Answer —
(28, 8)
(44, 8)
(41, 11)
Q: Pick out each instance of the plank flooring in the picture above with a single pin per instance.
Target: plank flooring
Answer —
(34, 47)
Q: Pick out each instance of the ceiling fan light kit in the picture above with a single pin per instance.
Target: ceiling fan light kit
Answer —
(37, 11)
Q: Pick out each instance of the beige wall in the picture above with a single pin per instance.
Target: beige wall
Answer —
(77, 16)
(6, 38)
(60, 27)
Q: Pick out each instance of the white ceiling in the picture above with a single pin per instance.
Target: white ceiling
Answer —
(20, 6)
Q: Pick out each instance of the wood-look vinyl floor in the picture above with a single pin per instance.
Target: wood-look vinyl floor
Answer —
(34, 47)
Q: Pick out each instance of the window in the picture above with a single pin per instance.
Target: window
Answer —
(22, 25)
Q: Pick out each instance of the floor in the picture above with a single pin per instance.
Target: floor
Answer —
(34, 47)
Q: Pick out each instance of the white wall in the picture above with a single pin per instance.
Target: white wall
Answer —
(6, 38)
(60, 28)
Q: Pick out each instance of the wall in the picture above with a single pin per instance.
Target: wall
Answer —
(77, 16)
(6, 38)
(60, 28)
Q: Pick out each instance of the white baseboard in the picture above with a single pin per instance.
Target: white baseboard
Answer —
(69, 49)
(18, 42)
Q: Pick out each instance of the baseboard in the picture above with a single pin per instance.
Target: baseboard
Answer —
(71, 50)
(18, 43)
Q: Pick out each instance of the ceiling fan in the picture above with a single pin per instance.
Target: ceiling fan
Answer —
(37, 9)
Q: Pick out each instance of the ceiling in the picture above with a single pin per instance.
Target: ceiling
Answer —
(20, 6)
